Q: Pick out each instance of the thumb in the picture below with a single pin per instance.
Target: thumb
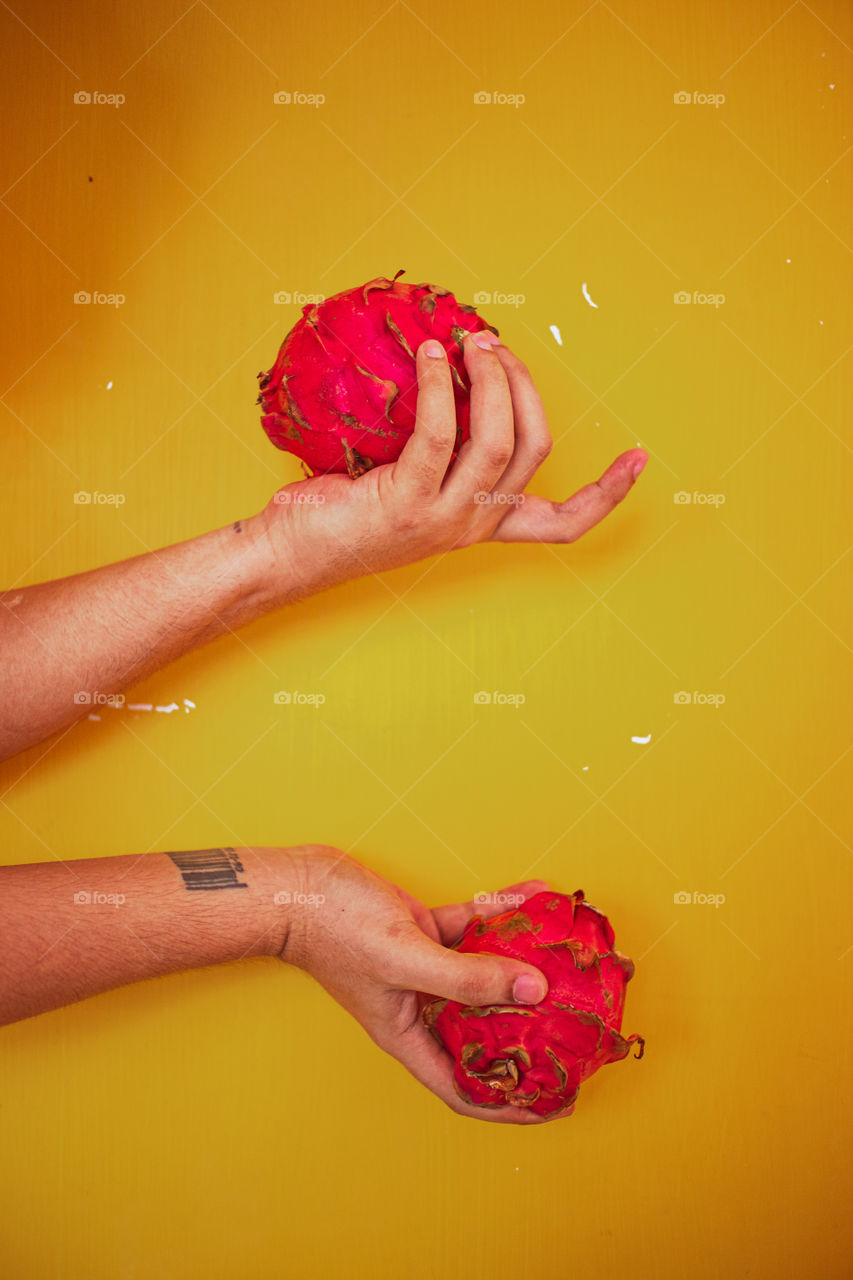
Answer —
(427, 966)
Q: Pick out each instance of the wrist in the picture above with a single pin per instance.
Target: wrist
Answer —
(300, 886)
(274, 576)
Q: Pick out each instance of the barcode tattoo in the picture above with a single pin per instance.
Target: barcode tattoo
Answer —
(209, 869)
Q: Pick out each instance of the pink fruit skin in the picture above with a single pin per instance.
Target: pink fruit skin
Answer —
(342, 393)
(537, 1056)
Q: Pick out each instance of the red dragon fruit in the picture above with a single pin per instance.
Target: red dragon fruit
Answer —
(537, 1056)
(342, 393)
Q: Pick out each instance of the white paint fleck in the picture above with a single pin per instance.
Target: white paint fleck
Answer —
(832, 86)
(585, 768)
(173, 706)
(109, 385)
(92, 716)
(556, 333)
(189, 704)
(642, 741)
(586, 295)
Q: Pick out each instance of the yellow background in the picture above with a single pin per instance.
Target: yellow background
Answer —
(234, 1122)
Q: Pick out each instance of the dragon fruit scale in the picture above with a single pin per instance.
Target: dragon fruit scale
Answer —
(342, 393)
(537, 1056)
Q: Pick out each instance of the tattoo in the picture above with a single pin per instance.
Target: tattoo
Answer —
(209, 869)
(237, 526)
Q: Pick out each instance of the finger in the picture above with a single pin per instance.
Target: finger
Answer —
(533, 440)
(540, 520)
(451, 920)
(423, 965)
(422, 465)
(419, 1053)
(484, 456)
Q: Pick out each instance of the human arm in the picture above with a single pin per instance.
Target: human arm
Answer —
(72, 930)
(98, 633)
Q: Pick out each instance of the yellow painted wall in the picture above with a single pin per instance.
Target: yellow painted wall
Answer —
(234, 1122)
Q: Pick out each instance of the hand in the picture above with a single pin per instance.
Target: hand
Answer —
(374, 948)
(330, 528)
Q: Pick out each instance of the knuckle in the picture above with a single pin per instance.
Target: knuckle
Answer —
(497, 453)
(519, 368)
(469, 986)
(541, 447)
(408, 519)
(436, 441)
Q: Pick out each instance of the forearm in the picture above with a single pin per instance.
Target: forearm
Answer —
(98, 633)
(71, 930)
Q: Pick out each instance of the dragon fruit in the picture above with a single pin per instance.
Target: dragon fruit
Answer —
(537, 1056)
(342, 393)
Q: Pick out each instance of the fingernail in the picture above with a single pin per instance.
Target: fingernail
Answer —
(486, 340)
(527, 989)
(433, 348)
(638, 467)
